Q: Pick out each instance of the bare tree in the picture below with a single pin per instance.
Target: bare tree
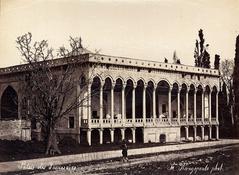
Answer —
(49, 87)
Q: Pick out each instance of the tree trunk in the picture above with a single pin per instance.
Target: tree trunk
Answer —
(52, 145)
(232, 117)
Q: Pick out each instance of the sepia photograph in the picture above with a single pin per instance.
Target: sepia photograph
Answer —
(119, 87)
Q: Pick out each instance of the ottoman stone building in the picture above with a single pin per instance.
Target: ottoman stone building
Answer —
(138, 100)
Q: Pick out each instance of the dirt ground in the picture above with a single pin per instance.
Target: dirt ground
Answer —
(19, 150)
(223, 161)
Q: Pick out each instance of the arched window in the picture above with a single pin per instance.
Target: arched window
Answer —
(9, 104)
(82, 81)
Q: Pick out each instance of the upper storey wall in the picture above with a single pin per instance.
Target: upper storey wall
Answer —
(121, 61)
(152, 64)
(132, 67)
(154, 76)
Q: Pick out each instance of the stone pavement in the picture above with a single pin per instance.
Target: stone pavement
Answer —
(67, 159)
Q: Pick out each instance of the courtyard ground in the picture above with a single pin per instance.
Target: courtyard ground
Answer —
(215, 156)
(20, 150)
(221, 160)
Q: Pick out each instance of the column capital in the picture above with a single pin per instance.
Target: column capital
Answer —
(195, 92)
(187, 90)
(100, 129)
(89, 83)
(203, 90)
(113, 85)
(170, 87)
(179, 89)
(124, 85)
(145, 85)
(154, 88)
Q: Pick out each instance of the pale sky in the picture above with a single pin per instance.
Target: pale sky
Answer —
(142, 29)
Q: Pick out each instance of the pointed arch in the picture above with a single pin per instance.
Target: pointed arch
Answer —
(121, 78)
(141, 79)
(130, 79)
(97, 76)
(214, 88)
(110, 77)
(176, 82)
(9, 103)
(151, 81)
(164, 80)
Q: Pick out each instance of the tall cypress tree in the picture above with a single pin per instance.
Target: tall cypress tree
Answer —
(222, 104)
(206, 60)
(201, 43)
(217, 62)
(236, 81)
(202, 57)
(197, 54)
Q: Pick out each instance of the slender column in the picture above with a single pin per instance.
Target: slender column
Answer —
(89, 105)
(133, 104)
(178, 99)
(123, 102)
(28, 107)
(89, 137)
(154, 104)
(195, 133)
(187, 105)
(217, 108)
(203, 107)
(101, 136)
(133, 134)
(101, 104)
(19, 106)
(186, 130)
(210, 132)
(195, 106)
(144, 104)
(210, 106)
(112, 135)
(123, 133)
(217, 132)
(112, 103)
(202, 129)
(169, 105)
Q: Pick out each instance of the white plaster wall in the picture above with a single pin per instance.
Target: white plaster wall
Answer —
(15, 129)
(153, 134)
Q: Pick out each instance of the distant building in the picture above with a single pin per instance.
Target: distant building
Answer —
(137, 100)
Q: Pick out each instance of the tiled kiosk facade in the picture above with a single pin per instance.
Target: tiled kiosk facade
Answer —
(137, 100)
